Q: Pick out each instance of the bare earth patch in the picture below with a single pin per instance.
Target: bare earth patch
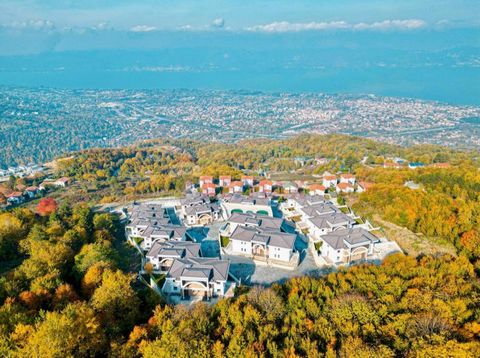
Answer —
(412, 243)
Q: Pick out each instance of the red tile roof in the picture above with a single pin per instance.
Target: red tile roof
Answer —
(343, 186)
(208, 185)
(316, 187)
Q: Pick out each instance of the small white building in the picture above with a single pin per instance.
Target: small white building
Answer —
(344, 188)
(224, 181)
(247, 181)
(323, 224)
(205, 179)
(347, 178)
(235, 187)
(329, 180)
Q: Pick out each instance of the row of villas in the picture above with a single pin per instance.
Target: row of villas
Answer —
(343, 183)
(167, 247)
(340, 237)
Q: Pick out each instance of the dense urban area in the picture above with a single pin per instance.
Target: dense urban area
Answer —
(38, 124)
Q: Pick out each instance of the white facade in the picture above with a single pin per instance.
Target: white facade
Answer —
(350, 179)
(247, 181)
(328, 181)
(247, 208)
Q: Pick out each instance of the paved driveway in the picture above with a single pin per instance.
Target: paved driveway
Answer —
(251, 274)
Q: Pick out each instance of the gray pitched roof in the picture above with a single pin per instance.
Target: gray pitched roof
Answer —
(201, 209)
(354, 236)
(174, 249)
(265, 222)
(195, 199)
(320, 209)
(201, 267)
(267, 237)
(331, 220)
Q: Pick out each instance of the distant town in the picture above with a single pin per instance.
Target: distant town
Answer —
(39, 124)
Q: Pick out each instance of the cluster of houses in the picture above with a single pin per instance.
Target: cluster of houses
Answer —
(21, 171)
(256, 225)
(329, 183)
(209, 186)
(338, 235)
(23, 193)
(169, 250)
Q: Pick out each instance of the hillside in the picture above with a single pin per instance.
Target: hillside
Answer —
(70, 287)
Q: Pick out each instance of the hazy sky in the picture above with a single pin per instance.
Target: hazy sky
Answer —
(260, 15)
(417, 48)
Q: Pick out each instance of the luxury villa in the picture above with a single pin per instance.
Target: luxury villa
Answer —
(198, 210)
(265, 239)
(258, 203)
(198, 277)
(345, 246)
(162, 254)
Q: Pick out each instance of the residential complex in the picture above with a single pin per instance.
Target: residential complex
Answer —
(168, 249)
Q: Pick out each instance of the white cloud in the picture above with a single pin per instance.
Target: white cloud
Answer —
(410, 24)
(285, 26)
(218, 23)
(143, 28)
(32, 24)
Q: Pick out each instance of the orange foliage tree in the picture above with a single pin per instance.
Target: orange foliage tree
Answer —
(46, 206)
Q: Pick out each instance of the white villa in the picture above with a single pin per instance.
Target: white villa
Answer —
(247, 181)
(263, 238)
(162, 233)
(235, 187)
(198, 277)
(198, 210)
(345, 246)
(162, 254)
(255, 203)
(323, 224)
(224, 180)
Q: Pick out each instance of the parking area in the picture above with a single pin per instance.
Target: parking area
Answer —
(250, 273)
